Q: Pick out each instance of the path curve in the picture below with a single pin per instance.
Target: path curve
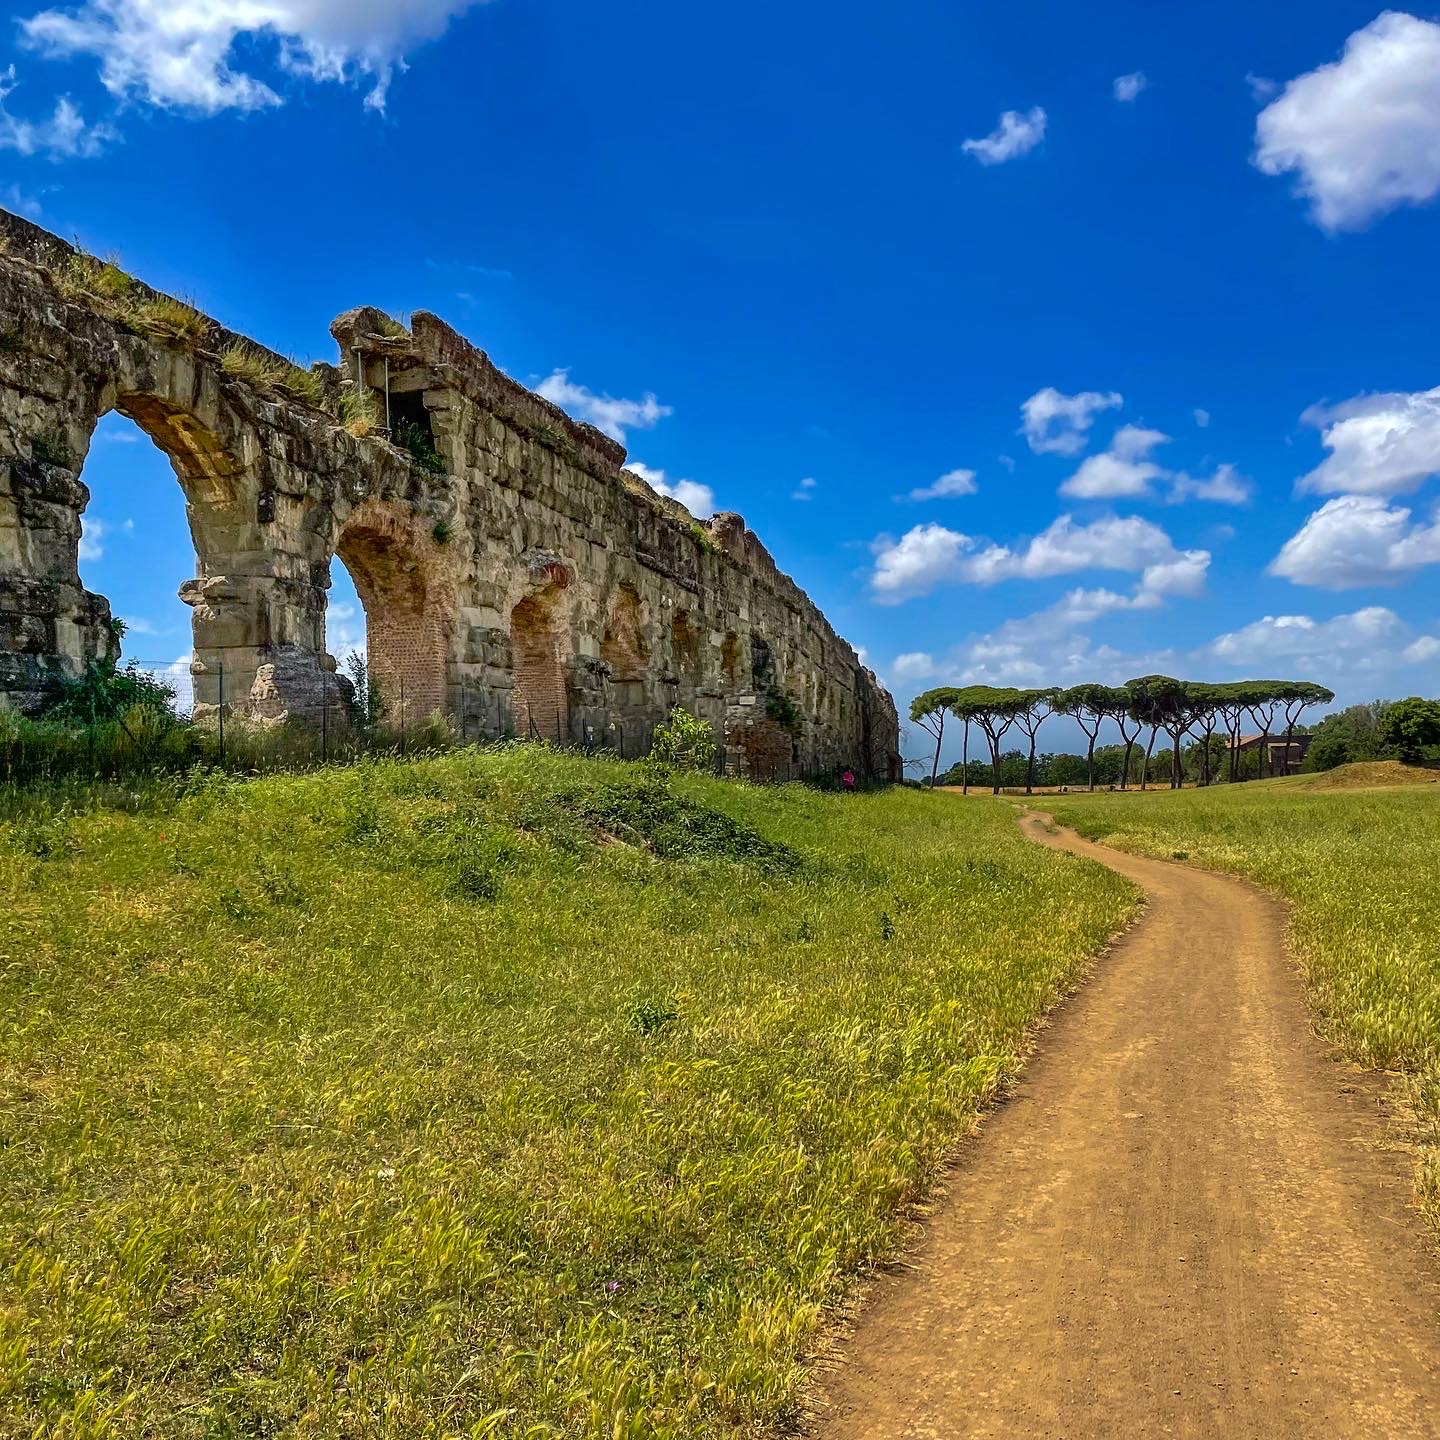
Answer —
(1186, 1221)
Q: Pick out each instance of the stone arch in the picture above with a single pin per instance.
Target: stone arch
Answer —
(52, 498)
(624, 648)
(409, 607)
(731, 658)
(540, 701)
(685, 646)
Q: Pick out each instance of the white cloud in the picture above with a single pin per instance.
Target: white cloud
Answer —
(1127, 87)
(15, 199)
(64, 135)
(1379, 444)
(1362, 134)
(1124, 471)
(1227, 486)
(604, 412)
(189, 53)
(1202, 418)
(1261, 89)
(919, 560)
(1357, 540)
(1015, 135)
(93, 531)
(915, 666)
(1372, 638)
(951, 484)
(805, 489)
(1057, 424)
(698, 499)
(930, 555)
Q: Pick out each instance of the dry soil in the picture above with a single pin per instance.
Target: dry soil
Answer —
(1189, 1219)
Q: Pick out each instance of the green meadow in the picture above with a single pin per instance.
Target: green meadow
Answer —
(501, 1094)
(1361, 868)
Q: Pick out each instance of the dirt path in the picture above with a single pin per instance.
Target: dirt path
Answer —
(1185, 1221)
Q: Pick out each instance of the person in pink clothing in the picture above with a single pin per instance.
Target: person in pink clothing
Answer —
(848, 779)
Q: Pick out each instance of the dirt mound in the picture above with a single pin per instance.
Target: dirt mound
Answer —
(1368, 774)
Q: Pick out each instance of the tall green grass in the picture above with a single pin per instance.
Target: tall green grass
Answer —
(500, 1094)
(1363, 870)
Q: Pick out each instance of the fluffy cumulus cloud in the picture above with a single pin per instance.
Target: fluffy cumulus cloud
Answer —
(64, 134)
(1063, 644)
(1128, 87)
(805, 490)
(1379, 444)
(1361, 135)
(951, 484)
(197, 54)
(907, 669)
(1124, 471)
(1357, 540)
(1374, 638)
(931, 555)
(613, 417)
(1225, 486)
(1059, 424)
(1015, 135)
(698, 499)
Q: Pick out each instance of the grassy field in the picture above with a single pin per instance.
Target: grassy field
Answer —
(1362, 866)
(504, 1094)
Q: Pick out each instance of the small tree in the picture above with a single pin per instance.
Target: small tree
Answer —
(1091, 705)
(994, 710)
(928, 711)
(1159, 702)
(1297, 696)
(1033, 709)
(1410, 726)
(685, 742)
(364, 702)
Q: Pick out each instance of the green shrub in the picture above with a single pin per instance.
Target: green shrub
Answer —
(783, 710)
(685, 741)
(420, 445)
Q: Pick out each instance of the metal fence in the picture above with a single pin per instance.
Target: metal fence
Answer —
(148, 743)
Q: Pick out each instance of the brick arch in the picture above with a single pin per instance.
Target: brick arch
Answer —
(685, 645)
(624, 648)
(540, 700)
(409, 607)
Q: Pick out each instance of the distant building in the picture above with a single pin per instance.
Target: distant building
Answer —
(1272, 749)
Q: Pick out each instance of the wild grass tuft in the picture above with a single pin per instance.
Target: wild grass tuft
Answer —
(169, 318)
(243, 361)
(504, 1094)
(359, 412)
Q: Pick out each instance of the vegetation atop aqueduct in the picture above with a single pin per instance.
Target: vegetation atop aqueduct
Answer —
(506, 1093)
(1179, 709)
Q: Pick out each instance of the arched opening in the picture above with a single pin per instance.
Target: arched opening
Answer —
(624, 648)
(540, 704)
(405, 627)
(137, 547)
(730, 658)
(685, 646)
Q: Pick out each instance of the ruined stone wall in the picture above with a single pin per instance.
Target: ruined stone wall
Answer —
(521, 581)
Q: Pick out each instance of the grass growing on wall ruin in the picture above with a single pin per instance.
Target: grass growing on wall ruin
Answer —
(1362, 868)
(506, 1093)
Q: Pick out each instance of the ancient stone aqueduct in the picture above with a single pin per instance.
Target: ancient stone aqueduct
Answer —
(535, 587)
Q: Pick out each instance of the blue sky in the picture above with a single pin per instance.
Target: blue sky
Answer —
(1037, 346)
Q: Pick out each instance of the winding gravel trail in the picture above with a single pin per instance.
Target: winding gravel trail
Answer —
(1185, 1221)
